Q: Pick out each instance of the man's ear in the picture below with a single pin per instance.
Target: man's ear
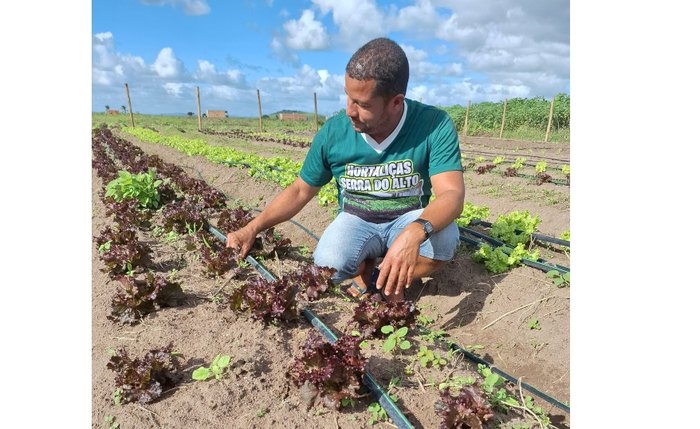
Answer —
(397, 101)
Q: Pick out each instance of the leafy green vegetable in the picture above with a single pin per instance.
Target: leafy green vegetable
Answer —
(515, 227)
(216, 369)
(142, 187)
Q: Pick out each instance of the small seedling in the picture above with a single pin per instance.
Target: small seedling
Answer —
(396, 337)
(193, 228)
(456, 382)
(117, 396)
(425, 320)
(431, 336)
(377, 413)
(559, 279)
(363, 343)
(534, 324)
(171, 237)
(260, 412)
(348, 402)
(428, 358)
(491, 380)
(104, 247)
(112, 422)
(216, 369)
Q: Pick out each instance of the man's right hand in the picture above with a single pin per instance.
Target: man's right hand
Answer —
(241, 241)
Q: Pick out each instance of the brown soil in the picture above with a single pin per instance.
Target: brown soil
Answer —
(474, 307)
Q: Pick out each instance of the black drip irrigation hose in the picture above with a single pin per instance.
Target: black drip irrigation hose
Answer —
(452, 345)
(539, 263)
(474, 358)
(536, 236)
(368, 380)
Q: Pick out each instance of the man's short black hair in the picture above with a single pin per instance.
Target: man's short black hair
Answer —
(383, 60)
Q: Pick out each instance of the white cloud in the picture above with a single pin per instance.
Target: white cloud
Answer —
(223, 92)
(110, 67)
(174, 89)
(296, 92)
(279, 49)
(453, 69)
(190, 7)
(324, 75)
(206, 73)
(420, 20)
(105, 38)
(357, 21)
(305, 33)
(167, 65)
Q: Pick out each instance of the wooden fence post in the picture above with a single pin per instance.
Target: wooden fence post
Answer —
(199, 110)
(503, 119)
(259, 110)
(549, 122)
(315, 112)
(466, 118)
(128, 98)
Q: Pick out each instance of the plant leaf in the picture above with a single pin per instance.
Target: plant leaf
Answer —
(201, 374)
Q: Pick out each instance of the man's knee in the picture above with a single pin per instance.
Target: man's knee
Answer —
(426, 266)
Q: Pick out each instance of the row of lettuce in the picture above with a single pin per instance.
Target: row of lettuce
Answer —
(145, 195)
(514, 229)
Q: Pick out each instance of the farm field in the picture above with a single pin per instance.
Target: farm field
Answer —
(518, 321)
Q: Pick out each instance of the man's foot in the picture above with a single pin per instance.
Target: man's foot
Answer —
(357, 292)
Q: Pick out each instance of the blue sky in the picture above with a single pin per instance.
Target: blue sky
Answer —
(289, 50)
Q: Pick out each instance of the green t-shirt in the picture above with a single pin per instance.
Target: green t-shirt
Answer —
(380, 186)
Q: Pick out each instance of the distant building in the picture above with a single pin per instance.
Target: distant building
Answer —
(112, 112)
(292, 116)
(216, 113)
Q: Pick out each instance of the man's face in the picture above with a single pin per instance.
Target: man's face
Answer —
(368, 113)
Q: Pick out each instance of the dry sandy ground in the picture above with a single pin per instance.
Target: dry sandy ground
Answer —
(474, 307)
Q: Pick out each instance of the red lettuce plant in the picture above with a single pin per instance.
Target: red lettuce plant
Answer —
(328, 373)
(468, 409)
(141, 296)
(219, 260)
(126, 212)
(485, 168)
(267, 301)
(313, 280)
(373, 313)
(178, 216)
(542, 178)
(143, 380)
(120, 250)
(233, 219)
(510, 172)
(268, 243)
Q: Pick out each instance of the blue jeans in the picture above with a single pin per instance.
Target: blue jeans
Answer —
(349, 240)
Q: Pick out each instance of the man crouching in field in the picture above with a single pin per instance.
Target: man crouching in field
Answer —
(388, 155)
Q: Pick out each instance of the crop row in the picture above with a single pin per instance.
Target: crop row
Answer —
(283, 171)
(184, 205)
